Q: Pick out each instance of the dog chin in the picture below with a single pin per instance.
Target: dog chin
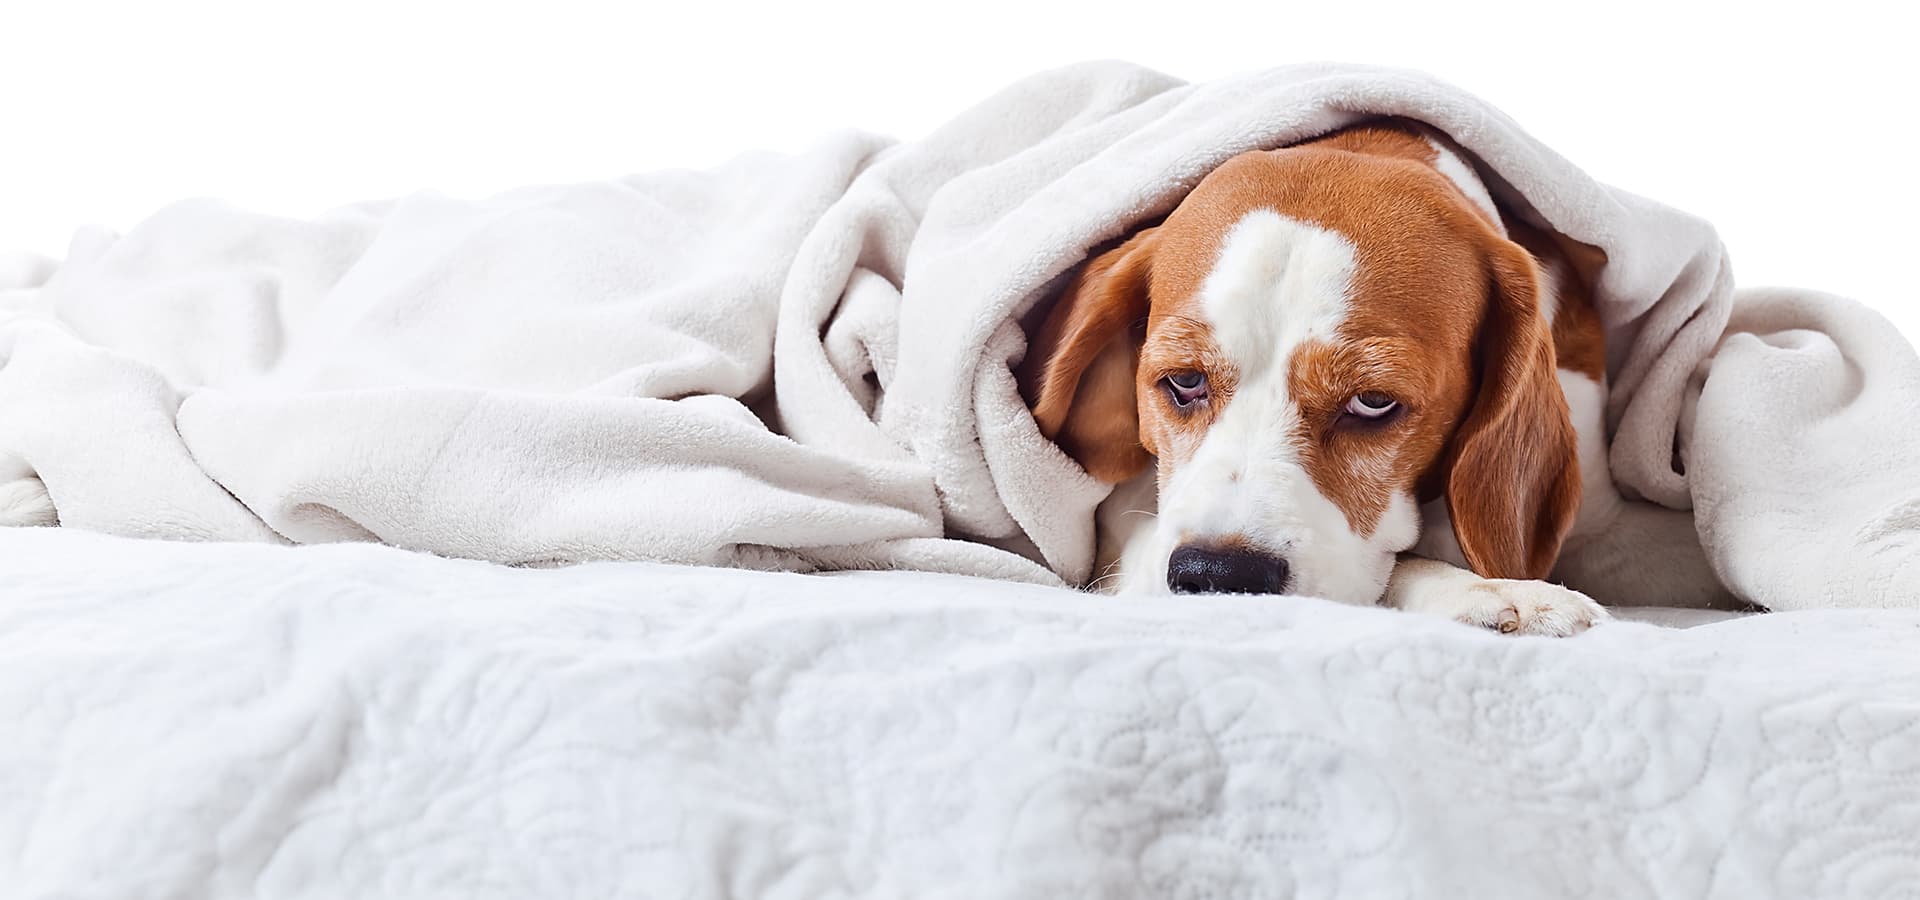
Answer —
(1355, 588)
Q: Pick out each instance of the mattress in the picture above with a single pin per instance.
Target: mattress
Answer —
(226, 720)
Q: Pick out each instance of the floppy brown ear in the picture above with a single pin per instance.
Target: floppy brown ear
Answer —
(1514, 485)
(1079, 371)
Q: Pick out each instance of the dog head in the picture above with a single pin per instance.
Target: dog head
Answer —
(1316, 341)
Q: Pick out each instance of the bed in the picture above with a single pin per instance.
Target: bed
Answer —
(216, 720)
(804, 362)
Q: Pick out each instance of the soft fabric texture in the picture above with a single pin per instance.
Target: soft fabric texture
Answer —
(802, 362)
(229, 720)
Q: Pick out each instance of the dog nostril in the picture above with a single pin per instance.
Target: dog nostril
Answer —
(1209, 570)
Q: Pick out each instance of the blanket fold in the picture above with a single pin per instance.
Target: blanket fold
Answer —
(803, 361)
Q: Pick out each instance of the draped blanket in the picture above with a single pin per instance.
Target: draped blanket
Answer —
(803, 362)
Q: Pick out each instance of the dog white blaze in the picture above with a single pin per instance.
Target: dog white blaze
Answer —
(1276, 284)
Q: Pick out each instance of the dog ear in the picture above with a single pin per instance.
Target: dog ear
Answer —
(1078, 375)
(1514, 483)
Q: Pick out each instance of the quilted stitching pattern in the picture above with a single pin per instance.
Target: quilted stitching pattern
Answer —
(224, 721)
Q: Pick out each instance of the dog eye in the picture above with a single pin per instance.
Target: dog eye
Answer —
(1371, 406)
(1186, 388)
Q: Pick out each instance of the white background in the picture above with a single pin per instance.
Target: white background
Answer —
(1791, 127)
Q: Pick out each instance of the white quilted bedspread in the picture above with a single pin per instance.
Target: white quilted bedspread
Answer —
(355, 721)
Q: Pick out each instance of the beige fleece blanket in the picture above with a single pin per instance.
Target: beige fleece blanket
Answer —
(803, 362)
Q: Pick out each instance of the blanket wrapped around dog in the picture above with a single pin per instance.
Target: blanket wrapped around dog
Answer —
(804, 362)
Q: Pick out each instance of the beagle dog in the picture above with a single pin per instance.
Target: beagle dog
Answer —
(1337, 369)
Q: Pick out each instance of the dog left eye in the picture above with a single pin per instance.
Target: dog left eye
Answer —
(1186, 388)
(1371, 406)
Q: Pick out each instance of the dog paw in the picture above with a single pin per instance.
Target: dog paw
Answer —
(1528, 607)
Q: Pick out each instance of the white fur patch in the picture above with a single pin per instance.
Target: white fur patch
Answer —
(1457, 171)
(1552, 276)
(1276, 284)
(1587, 409)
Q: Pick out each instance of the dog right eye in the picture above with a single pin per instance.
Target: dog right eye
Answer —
(1186, 388)
(1371, 406)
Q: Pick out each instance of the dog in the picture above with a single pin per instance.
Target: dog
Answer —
(1340, 369)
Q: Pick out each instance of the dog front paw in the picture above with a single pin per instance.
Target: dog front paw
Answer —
(1528, 607)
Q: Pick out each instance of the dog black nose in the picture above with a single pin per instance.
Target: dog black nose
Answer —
(1211, 570)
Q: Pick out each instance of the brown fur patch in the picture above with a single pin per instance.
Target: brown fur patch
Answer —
(1579, 340)
(1078, 373)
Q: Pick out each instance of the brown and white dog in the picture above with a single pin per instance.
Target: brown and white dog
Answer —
(1359, 381)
